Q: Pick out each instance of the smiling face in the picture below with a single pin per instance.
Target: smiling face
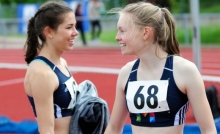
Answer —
(128, 36)
(63, 37)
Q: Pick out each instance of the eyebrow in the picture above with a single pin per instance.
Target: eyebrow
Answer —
(121, 28)
(72, 24)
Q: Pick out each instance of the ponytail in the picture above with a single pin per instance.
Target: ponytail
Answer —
(32, 45)
(170, 43)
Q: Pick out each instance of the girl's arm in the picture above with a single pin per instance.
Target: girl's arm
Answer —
(119, 113)
(195, 90)
(43, 84)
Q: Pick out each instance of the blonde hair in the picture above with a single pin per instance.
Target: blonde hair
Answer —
(160, 19)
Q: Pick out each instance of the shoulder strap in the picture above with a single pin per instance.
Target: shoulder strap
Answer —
(133, 74)
(46, 61)
(169, 62)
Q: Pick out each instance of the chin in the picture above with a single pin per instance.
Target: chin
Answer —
(126, 53)
(69, 48)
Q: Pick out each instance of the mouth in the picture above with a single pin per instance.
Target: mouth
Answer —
(71, 40)
(122, 45)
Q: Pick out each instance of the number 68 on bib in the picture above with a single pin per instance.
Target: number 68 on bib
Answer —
(147, 96)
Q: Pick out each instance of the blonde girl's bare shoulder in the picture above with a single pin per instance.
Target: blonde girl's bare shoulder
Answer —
(184, 67)
(127, 67)
(124, 74)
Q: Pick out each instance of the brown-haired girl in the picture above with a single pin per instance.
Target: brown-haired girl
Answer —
(48, 83)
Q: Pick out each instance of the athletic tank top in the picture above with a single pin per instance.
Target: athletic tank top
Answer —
(64, 97)
(162, 96)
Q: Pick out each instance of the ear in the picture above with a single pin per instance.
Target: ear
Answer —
(48, 32)
(147, 32)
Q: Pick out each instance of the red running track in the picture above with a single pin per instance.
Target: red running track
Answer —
(15, 105)
(112, 58)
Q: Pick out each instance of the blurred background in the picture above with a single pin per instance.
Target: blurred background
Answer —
(15, 13)
(101, 61)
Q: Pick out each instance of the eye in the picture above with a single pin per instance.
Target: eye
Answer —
(72, 26)
(122, 31)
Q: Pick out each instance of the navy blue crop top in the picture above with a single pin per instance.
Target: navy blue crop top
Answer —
(64, 96)
(177, 101)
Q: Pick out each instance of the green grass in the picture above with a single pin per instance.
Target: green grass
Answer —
(204, 7)
(215, 8)
(208, 35)
(106, 36)
(109, 36)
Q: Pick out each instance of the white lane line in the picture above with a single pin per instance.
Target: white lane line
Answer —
(13, 66)
(10, 82)
(20, 80)
(93, 69)
(71, 68)
(74, 69)
(211, 78)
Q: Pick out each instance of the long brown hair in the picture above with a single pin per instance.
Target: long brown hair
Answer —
(49, 14)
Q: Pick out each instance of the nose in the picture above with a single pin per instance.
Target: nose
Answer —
(75, 32)
(117, 38)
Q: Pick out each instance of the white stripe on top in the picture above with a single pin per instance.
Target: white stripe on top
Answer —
(168, 69)
(181, 115)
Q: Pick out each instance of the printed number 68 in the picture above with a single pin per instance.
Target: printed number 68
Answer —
(151, 95)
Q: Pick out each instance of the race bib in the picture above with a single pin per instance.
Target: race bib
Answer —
(72, 88)
(147, 96)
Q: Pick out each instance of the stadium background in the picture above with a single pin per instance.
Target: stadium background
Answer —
(99, 63)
